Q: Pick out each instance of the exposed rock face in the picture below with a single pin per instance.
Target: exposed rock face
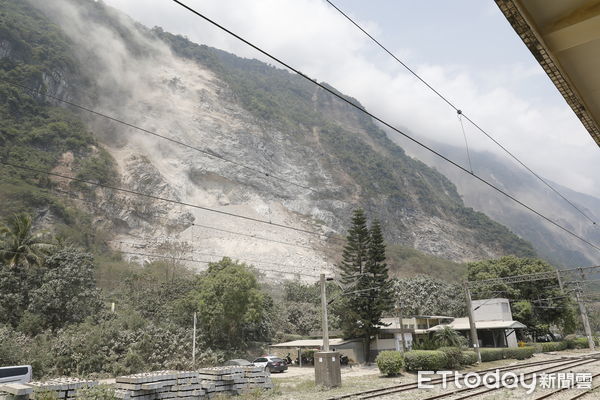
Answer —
(291, 175)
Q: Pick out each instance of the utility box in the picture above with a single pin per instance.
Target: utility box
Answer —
(327, 369)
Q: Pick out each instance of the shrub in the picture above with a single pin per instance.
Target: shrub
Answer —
(491, 354)
(389, 362)
(425, 360)
(101, 392)
(577, 343)
(519, 353)
(469, 358)
(553, 346)
(454, 357)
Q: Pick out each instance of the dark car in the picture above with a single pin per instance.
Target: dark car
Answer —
(239, 361)
(273, 364)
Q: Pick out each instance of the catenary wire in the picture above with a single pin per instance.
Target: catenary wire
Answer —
(380, 120)
(181, 203)
(445, 99)
(149, 132)
(72, 196)
(249, 260)
(206, 262)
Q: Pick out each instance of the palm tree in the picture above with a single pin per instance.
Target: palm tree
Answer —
(19, 245)
(447, 337)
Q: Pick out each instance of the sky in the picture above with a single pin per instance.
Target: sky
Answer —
(464, 48)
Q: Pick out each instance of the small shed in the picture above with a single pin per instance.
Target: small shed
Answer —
(351, 348)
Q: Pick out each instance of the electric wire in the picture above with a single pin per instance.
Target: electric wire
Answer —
(181, 203)
(72, 196)
(205, 262)
(383, 122)
(416, 75)
(249, 260)
(149, 132)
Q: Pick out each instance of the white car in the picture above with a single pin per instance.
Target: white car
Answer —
(271, 363)
(15, 374)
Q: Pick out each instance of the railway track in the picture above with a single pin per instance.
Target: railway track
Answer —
(563, 362)
(577, 396)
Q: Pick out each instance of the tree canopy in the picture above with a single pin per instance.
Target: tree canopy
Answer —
(526, 297)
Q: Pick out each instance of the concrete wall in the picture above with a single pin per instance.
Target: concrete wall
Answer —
(492, 310)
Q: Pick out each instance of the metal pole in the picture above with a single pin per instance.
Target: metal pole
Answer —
(324, 307)
(474, 337)
(194, 342)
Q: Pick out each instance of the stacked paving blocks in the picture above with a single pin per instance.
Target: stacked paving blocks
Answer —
(192, 385)
(60, 389)
(157, 385)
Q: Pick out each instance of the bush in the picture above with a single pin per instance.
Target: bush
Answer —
(454, 357)
(519, 353)
(553, 346)
(577, 343)
(469, 358)
(425, 360)
(389, 362)
(102, 392)
(491, 354)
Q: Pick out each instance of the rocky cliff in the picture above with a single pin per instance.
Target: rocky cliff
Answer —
(259, 142)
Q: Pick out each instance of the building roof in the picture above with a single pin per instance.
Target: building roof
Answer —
(316, 343)
(564, 37)
(462, 324)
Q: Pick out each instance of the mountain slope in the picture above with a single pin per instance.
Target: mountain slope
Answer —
(242, 110)
(549, 241)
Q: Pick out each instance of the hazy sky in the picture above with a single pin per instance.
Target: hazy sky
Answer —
(464, 48)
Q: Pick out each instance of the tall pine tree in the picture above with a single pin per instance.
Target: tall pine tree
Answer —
(365, 275)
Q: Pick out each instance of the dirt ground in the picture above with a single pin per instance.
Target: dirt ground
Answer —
(298, 383)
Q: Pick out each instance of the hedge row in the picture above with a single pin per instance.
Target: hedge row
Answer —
(453, 358)
(576, 343)
(389, 362)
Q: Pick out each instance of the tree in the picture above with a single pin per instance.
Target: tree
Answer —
(365, 275)
(19, 245)
(526, 297)
(447, 337)
(230, 305)
(67, 292)
(425, 295)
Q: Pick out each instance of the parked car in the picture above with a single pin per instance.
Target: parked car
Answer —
(239, 361)
(14, 374)
(272, 363)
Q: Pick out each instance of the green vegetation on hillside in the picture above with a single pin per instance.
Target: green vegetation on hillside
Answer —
(38, 134)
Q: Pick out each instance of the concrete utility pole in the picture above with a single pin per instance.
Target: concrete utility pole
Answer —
(194, 342)
(474, 337)
(325, 324)
(400, 318)
(584, 316)
(327, 363)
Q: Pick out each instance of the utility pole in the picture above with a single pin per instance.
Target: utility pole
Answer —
(400, 318)
(584, 316)
(194, 343)
(474, 338)
(325, 326)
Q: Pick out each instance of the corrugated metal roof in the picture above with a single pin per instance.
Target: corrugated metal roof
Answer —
(462, 324)
(316, 343)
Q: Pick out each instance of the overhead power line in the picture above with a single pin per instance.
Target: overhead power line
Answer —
(72, 196)
(380, 120)
(206, 262)
(149, 132)
(150, 196)
(248, 260)
(460, 112)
